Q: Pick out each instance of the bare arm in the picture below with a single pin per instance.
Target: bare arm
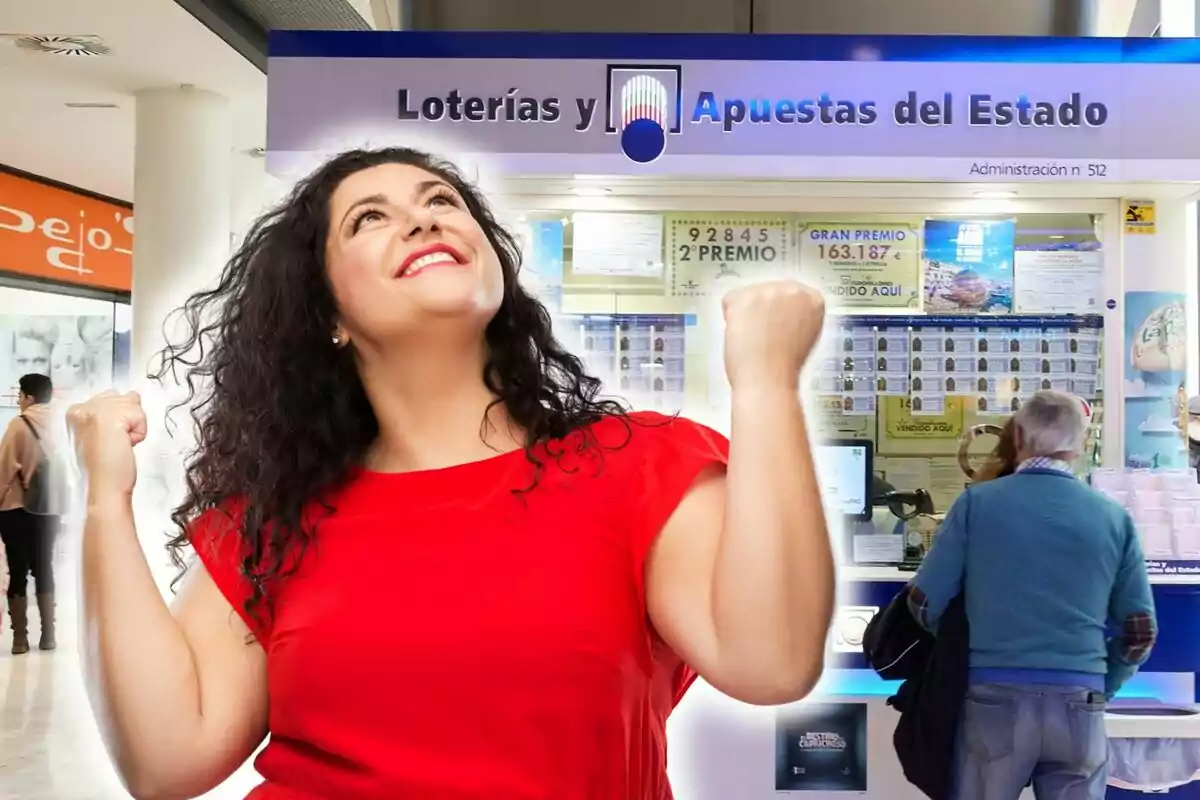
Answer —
(740, 581)
(180, 697)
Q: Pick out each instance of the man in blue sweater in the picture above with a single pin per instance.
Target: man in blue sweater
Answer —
(1048, 566)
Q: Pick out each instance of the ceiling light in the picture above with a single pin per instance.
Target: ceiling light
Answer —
(87, 45)
(993, 194)
(1057, 236)
(590, 191)
(90, 104)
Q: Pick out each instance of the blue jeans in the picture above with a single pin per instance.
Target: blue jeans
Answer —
(1012, 733)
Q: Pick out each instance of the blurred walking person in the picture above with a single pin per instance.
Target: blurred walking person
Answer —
(28, 514)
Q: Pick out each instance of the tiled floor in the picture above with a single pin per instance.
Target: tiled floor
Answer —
(50, 748)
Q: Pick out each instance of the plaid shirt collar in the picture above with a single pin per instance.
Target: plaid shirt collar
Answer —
(1042, 462)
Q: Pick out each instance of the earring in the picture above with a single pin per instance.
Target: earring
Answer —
(337, 340)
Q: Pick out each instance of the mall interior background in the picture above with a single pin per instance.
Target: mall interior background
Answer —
(161, 107)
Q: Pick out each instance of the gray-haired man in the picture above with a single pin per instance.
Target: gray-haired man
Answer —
(1047, 564)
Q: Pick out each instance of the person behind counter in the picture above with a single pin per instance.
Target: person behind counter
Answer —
(1046, 563)
(1002, 461)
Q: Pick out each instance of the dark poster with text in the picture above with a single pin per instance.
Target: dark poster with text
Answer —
(822, 747)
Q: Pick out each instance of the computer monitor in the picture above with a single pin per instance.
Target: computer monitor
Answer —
(844, 471)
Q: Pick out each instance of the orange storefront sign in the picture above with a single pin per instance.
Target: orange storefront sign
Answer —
(54, 233)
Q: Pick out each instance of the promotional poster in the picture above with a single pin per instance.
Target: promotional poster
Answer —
(822, 747)
(969, 266)
(75, 351)
(1155, 371)
(862, 265)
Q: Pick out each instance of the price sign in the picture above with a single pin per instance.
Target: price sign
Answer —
(865, 265)
(705, 249)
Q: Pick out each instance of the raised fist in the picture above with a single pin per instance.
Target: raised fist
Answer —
(105, 430)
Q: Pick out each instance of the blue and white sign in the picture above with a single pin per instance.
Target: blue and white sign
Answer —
(947, 108)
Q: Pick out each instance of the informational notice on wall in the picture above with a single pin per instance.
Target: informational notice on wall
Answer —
(617, 245)
(862, 264)
(706, 252)
(1059, 281)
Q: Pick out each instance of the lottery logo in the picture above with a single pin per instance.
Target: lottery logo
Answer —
(643, 108)
(643, 118)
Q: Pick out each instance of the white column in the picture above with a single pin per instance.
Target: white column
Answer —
(182, 193)
(1156, 278)
(1178, 20)
(182, 190)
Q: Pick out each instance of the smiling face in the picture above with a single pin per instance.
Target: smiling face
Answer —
(31, 354)
(405, 256)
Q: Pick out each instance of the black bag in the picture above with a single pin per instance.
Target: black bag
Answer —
(930, 705)
(895, 644)
(46, 491)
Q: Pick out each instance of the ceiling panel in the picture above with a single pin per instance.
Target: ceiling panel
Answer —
(72, 118)
(611, 16)
(970, 17)
(1008, 18)
(323, 15)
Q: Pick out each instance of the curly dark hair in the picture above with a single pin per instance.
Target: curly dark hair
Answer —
(281, 415)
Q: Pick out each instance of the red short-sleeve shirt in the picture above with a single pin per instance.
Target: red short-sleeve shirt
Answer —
(447, 639)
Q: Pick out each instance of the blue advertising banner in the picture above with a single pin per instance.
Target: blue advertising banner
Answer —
(1155, 344)
(969, 266)
(821, 747)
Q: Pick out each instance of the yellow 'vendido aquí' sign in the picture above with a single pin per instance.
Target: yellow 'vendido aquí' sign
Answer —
(901, 423)
(862, 264)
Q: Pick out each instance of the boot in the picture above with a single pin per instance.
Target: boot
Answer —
(45, 603)
(18, 609)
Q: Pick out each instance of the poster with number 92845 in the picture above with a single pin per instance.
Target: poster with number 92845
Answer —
(706, 253)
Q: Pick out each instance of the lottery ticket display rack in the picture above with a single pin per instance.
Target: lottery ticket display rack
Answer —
(995, 363)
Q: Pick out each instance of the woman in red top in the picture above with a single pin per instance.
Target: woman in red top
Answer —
(432, 563)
